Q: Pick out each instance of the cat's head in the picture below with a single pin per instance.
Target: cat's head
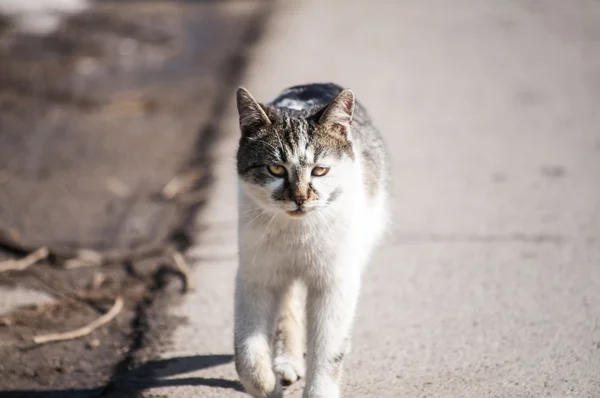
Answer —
(295, 162)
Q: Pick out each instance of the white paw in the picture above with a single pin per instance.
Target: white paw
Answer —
(290, 369)
(258, 388)
(332, 391)
(259, 380)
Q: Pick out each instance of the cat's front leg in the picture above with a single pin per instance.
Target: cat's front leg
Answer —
(289, 339)
(256, 308)
(330, 312)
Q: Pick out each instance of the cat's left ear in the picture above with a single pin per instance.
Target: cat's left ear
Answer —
(252, 114)
(337, 117)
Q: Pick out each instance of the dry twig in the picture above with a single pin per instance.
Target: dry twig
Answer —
(182, 267)
(98, 280)
(75, 258)
(182, 182)
(25, 262)
(194, 197)
(85, 258)
(84, 331)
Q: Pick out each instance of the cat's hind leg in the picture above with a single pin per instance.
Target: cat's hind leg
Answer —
(289, 338)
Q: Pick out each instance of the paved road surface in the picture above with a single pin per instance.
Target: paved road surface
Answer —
(489, 282)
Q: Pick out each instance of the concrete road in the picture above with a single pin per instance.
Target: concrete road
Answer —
(488, 284)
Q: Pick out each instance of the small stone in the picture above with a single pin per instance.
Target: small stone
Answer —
(93, 344)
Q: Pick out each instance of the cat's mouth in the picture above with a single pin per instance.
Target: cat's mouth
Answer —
(299, 212)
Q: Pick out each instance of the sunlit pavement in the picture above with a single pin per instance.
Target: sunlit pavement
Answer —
(489, 281)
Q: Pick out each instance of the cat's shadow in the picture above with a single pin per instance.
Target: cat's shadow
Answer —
(152, 374)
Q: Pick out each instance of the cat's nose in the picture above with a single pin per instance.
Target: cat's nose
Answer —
(300, 200)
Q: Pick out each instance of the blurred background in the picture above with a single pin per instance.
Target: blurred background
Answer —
(117, 186)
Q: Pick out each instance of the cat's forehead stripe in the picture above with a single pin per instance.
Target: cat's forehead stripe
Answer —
(297, 142)
(301, 148)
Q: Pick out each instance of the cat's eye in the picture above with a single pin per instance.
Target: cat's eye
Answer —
(276, 170)
(320, 171)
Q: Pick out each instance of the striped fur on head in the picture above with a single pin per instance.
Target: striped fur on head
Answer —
(299, 140)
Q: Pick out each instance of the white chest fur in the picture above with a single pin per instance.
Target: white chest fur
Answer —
(277, 246)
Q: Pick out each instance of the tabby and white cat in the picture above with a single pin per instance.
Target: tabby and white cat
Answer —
(312, 204)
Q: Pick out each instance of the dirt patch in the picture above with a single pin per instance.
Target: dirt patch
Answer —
(95, 120)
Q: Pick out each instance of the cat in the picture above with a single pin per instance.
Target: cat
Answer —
(313, 175)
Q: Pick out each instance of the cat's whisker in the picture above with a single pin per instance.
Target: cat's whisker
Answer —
(249, 202)
(252, 210)
(255, 218)
(318, 213)
(328, 211)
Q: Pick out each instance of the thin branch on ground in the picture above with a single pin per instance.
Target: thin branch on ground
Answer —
(194, 197)
(75, 258)
(55, 290)
(85, 258)
(182, 182)
(122, 256)
(98, 280)
(25, 262)
(84, 331)
(10, 240)
(183, 267)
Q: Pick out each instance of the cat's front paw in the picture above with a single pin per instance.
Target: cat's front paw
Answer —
(259, 380)
(261, 387)
(289, 368)
(322, 390)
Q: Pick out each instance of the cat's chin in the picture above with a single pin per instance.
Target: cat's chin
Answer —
(298, 213)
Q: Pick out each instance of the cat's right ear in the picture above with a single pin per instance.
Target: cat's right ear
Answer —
(252, 114)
